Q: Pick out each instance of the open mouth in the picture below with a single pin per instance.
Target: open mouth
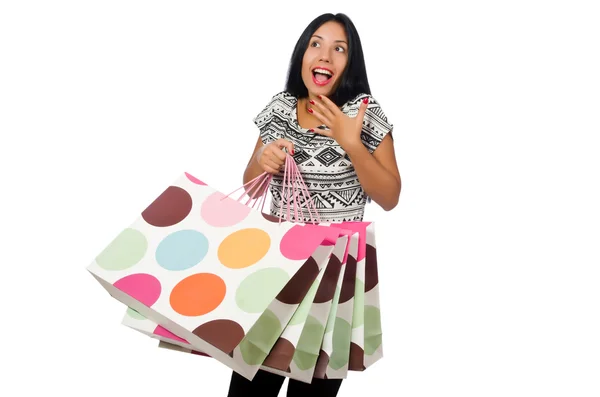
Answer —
(322, 76)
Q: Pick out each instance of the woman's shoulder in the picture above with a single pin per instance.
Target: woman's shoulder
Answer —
(283, 97)
(281, 102)
(279, 105)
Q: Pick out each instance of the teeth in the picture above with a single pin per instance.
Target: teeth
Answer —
(322, 71)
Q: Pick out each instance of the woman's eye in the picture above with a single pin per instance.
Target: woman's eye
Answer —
(314, 44)
(340, 49)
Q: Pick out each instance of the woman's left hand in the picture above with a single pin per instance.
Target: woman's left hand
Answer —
(344, 129)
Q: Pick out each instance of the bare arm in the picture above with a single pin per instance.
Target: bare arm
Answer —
(253, 168)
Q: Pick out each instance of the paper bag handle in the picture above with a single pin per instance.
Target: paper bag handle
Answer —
(293, 184)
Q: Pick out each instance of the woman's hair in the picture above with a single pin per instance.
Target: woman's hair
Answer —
(354, 79)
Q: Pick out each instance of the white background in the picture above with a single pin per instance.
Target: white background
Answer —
(490, 284)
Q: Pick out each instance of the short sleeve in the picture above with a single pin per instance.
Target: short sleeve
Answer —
(265, 116)
(375, 125)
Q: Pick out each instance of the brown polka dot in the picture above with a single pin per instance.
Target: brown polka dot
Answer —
(281, 355)
(225, 335)
(295, 290)
(168, 209)
(349, 280)
(328, 284)
(321, 366)
(356, 358)
(371, 275)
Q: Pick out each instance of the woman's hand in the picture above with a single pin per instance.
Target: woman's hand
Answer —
(345, 130)
(271, 156)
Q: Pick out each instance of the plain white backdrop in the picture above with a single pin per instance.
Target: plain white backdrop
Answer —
(489, 264)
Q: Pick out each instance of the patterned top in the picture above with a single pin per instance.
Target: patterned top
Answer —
(326, 168)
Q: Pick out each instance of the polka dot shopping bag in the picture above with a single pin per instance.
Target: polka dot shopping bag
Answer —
(212, 273)
(337, 326)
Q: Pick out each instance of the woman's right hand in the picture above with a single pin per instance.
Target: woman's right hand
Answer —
(271, 156)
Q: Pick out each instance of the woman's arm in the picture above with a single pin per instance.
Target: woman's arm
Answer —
(378, 172)
(265, 158)
(253, 168)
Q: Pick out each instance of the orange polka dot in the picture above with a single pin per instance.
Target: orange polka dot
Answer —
(198, 294)
(244, 248)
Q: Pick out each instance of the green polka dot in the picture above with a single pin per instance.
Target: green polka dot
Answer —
(261, 338)
(307, 351)
(304, 360)
(359, 305)
(372, 329)
(259, 289)
(135, 315)
(127, 249)
(342, 333)
(333, 311)
(304, 307)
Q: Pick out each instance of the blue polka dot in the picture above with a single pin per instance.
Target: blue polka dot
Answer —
(181, 250)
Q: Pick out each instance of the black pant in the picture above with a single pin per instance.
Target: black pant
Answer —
(266, 384)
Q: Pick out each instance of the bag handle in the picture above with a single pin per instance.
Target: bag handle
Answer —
(293, 184)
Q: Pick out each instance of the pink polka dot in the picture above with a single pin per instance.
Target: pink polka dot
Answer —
(301, 241)
(331, 236)
(219, 211)
(194, 179)
(343, 232)
(160, 331)
(142, 287)
(361, 228)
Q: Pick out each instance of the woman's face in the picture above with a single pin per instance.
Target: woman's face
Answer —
(325, 59)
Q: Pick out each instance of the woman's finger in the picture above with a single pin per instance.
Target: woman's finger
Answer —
(330, 105)
(323, 109)
(321, 131)
(283, 143)
(273, 164)
(270, 170)
(320, 116)
(278, 154)
(278, 158)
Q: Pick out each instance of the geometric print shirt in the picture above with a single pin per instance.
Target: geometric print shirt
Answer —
(326, 169)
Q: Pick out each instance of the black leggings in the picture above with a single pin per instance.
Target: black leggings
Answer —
(266, 384)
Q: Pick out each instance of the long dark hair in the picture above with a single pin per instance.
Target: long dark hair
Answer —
(354, 80)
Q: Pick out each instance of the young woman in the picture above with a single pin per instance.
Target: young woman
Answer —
(341, 141)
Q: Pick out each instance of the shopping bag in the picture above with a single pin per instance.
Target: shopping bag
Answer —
(255, 347)
(358, 339)
(366, 334)
(259, 341)
(333, 361)
(166, 345)
(373, 334)
(138, 322)
(207, 268)
(297, 350)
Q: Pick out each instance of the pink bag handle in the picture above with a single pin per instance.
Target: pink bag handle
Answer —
(293, 184)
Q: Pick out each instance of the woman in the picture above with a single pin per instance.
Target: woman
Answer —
(341, 141)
